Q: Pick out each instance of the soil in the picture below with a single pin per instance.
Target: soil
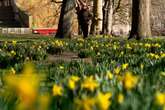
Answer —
(68, 57)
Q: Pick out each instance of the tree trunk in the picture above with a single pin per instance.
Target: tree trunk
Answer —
(97, 21)
(100, 15)
(140, 19)
(66, 19)
(107, 17)
(110, 18)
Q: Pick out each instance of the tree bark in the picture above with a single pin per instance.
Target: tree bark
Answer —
(97, 21)
(110, 18)
(140, 19)
(66, 19)
(107, 17)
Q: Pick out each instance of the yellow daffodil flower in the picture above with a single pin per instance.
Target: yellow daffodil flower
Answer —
(13, 71)
(14, 42)
(129, 81)
(117, 70)
(84, 104)
(57, 90)
(162, 55)
(89, 83)
(26, 84)
(110, 75)
(61, 67)
(120, 98)
(72, 82)
(147, 45)
(160, 98)
(157, 45)
(13, 53)
(103, 100)
(141, 66)
(128, 46)
(124, 66)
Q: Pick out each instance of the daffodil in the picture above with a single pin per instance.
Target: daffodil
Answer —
(61, 67)
(162, 55)
(13, 71)
(57, 90)
(162, 73)
(141, 66)
(157, 45)
(80, 40)
(39, 47)
(120, 98)
(128, 46)
(14, 42)
(26, 84)
(103, 100)
(110, 75)
(86, 103)
(124, 66)
(122, 53)
(91, 48)
(156, 56)
(117, 70)
(75, 78)
(13, 53)
(147, 45)
(72, 82)
(98, 54)
(160, 98)
(129, 81)
(89, 83)
(115, 47)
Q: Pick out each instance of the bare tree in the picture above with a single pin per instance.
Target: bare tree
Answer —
(107, 16)
(97, 20)
(66, 19)
(140, 19)
(110, 9)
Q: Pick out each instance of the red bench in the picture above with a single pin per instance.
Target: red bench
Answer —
(44, 31)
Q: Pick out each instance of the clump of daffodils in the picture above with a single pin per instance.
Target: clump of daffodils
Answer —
(129, 81)
(101, 101)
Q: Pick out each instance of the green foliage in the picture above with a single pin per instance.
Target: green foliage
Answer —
(111, 58)
(85, 53)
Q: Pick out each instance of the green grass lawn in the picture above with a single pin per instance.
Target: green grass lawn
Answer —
(32, 37)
